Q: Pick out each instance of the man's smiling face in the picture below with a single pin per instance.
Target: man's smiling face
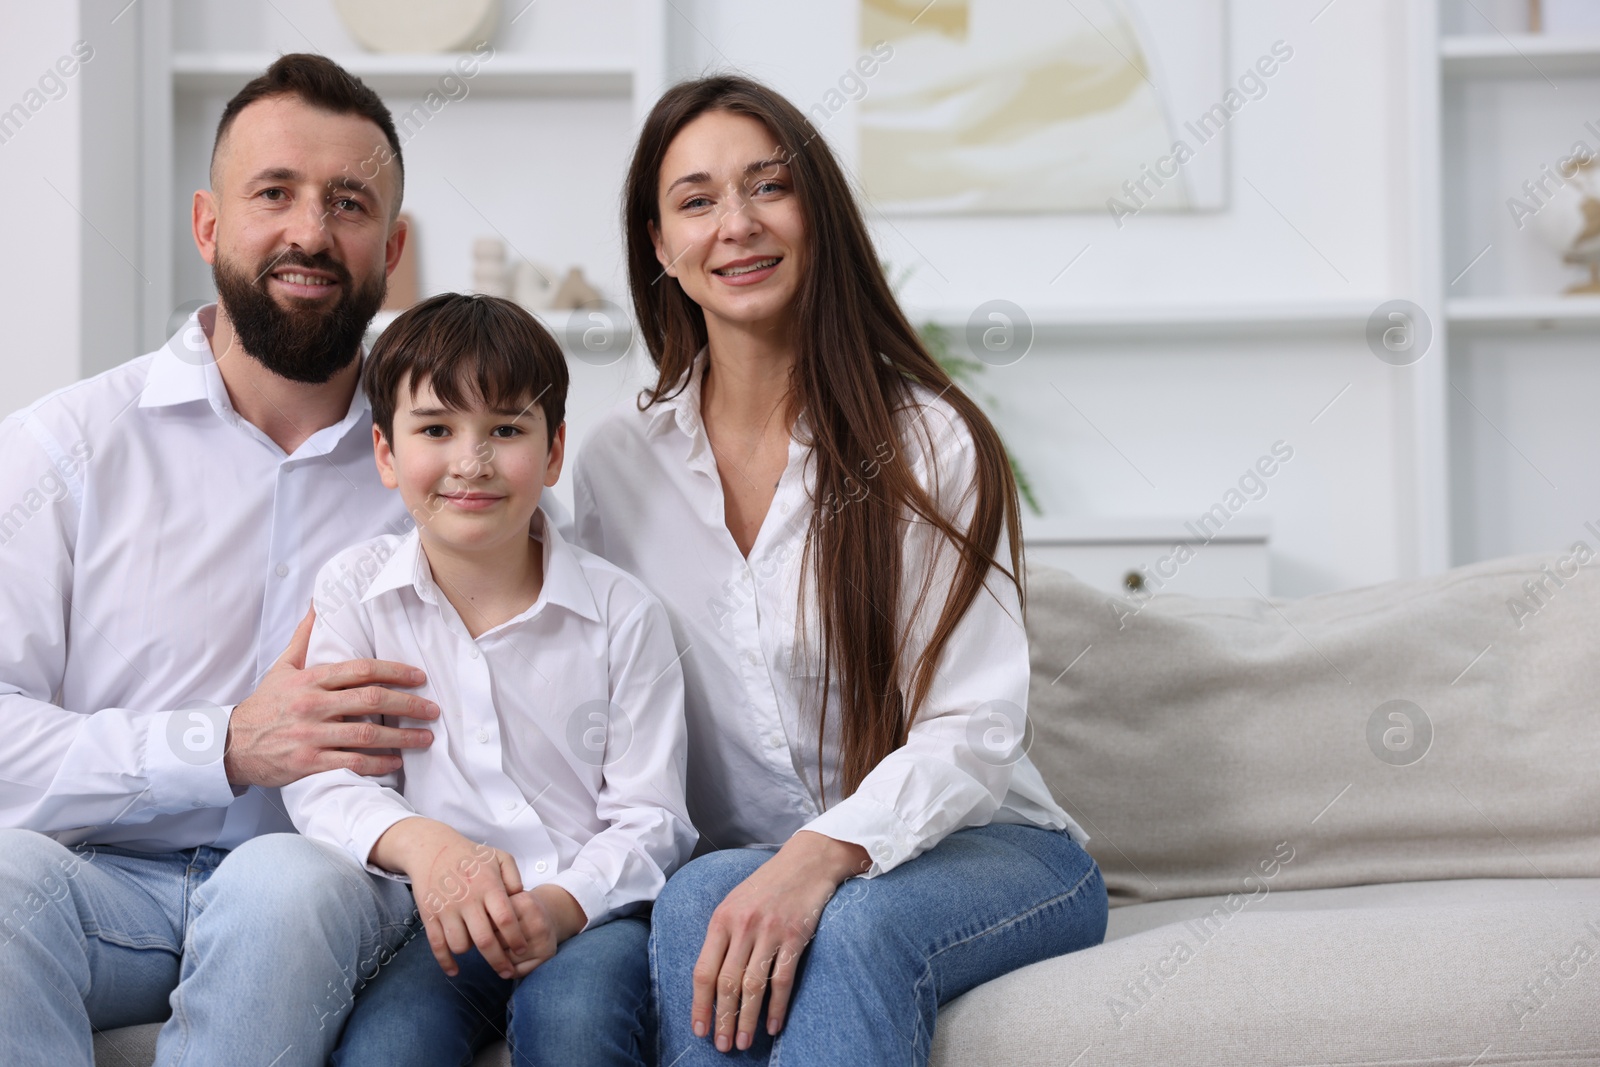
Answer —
(299, 228)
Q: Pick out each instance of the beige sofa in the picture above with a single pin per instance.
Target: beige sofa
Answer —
(1302, 870)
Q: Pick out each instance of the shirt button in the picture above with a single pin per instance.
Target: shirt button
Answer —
(511, 805)
(752, 658)
(473, 652)
(541, 866)
(783, 509)
(282, 570)
(775, 740)
(483, 737)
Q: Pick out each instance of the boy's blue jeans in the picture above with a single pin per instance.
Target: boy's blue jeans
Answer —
(888, 950)
(588, 1005)
(255, 954)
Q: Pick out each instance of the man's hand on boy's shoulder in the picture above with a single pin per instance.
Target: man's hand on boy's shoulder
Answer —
(294, 724)
(463, 890)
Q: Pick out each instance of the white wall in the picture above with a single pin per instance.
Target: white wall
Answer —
(40, 231)
(70, 281)
(113, 282)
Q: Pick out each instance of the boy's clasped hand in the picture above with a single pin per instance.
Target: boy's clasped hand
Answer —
(470, 894)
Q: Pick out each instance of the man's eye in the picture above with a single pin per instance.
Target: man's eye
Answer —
(345, 204)
(434, 431)
(273, 194)
(510, 431)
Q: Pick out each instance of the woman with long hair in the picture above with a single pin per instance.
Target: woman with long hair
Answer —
(833, 527)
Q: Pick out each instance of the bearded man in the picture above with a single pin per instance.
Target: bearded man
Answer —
(173, 514)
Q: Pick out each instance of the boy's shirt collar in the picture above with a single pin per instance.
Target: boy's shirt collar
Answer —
(564, 583)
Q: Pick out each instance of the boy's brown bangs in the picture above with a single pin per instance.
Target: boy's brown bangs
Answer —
(472, 350)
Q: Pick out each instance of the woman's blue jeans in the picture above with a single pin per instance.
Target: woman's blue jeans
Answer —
(587, 1005)
(888, 950)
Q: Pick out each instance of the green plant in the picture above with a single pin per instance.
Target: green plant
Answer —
(966, 372)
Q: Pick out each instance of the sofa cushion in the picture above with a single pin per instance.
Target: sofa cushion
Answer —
(1443, 727)
(1414, 973)
(1480, 973)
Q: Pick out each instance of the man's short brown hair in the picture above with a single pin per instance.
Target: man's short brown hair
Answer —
(323, 84)
(472, 350)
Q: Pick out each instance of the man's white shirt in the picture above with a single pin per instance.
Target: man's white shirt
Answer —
(156, 553)
(648, 498)
(560, 738)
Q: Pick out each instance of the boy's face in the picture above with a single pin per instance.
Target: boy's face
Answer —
(470, 478)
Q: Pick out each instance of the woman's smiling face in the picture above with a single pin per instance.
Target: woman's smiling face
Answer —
(731, 232)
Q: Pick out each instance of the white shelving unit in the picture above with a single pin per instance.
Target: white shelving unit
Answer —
(1521, 374)
(506, 76)
(1523, 315)
(607, 90)
(1525, 55)
(562, 95)
(1198, 321)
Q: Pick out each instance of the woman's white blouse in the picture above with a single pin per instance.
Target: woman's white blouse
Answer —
(648, 498)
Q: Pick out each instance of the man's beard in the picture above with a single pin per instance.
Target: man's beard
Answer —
(308, 345)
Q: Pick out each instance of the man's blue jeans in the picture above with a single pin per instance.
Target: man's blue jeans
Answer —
(888, 950)
(254, 954)
(586, 1006)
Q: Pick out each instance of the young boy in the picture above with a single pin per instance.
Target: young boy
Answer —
(549, 808)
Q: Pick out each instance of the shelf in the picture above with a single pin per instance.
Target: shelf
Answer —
(1200, 321)
(555, 320)
(1140, 530)
(1126, 323)
(1527, 55)
(503, 74)
(1524, 314)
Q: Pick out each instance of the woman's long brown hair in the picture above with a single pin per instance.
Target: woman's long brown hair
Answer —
(856, 356)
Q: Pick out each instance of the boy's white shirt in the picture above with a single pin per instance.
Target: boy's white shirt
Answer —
(523, 758)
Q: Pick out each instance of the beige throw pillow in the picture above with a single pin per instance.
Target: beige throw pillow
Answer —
(1443, 727)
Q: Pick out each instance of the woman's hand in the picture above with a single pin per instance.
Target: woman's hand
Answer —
(759, 931)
